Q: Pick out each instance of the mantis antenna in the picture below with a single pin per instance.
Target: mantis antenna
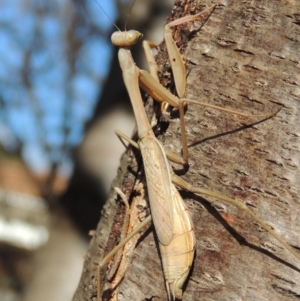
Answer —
(106, 14)
(127, 16)
(130, 10)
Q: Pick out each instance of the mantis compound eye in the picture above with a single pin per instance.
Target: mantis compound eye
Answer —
(133, 36)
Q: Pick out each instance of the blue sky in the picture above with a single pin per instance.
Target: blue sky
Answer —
(43, 89)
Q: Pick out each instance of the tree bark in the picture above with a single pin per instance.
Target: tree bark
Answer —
(246, 58)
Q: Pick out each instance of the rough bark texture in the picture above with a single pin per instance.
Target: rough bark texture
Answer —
(245, 57)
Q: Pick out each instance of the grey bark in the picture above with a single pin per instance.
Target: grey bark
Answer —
(245, 57)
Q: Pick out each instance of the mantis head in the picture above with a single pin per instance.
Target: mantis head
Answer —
(125, 38)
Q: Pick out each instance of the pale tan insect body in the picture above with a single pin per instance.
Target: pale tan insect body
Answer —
(171, 219)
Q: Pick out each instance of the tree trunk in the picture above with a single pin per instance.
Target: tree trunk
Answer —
(246, 58)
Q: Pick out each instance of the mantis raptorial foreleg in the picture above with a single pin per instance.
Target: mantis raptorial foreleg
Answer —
(176, 61)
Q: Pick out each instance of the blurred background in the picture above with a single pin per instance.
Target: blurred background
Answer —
(61, 99)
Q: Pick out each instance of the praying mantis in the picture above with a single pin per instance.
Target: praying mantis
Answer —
(214, 248)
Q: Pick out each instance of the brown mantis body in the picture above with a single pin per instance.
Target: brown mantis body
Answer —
(169, 214)
(152, 153)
